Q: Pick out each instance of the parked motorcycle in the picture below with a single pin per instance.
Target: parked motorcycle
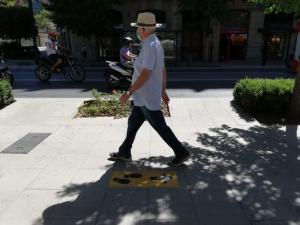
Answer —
(75, 71)
(5, 74)
(118, 76)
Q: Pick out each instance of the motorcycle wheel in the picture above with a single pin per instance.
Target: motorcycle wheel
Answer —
(43, 73)
(8, 76)
(77, 73)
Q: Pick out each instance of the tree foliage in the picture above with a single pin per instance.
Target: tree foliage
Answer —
(83, 17)
(275, 6)
(42, 19)
(16, 23)
(8, 3)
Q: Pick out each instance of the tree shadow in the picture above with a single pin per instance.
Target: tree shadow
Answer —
(241, 112)
(269, 118)
(235, 176)
(260, 165)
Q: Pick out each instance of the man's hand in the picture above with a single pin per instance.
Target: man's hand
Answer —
(165, 97)
(124, 98)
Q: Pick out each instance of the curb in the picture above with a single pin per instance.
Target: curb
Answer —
(173, 69)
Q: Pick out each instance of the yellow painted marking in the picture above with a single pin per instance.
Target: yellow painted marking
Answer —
(143, 179)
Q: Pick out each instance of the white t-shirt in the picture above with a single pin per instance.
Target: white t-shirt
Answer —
(51, 47)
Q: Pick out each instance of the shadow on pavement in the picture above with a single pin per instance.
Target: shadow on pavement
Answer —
(235, 177)
(88, 85)
(241, 112)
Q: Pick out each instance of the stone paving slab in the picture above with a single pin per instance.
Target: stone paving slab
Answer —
(28, 207)
(166, 204)
(16, 179)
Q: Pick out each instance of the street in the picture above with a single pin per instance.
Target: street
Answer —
(180, 83)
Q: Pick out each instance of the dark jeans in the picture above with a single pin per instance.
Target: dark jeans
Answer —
(157, 121)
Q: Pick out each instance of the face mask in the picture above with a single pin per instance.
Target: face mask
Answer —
(138, 35)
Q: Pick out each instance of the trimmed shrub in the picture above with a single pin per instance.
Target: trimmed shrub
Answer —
(6, 96)
(104, 105)
(264, 96)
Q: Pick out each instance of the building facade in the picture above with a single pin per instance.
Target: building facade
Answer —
(245, 34)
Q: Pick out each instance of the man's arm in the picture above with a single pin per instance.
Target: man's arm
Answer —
(147, 65)
(125, 56)
(144, 76)
(51, 45)
(164, 95)
(164, 80)
(131, 55)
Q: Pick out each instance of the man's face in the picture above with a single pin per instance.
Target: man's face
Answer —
(141, 31)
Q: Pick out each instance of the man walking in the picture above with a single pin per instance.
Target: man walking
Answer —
(148, 88)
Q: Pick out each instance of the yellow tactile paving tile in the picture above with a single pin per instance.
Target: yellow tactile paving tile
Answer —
(144, 179)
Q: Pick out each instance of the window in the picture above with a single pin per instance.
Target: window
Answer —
(168, 42)
(235, 19)
(234, 35)
(117, 18)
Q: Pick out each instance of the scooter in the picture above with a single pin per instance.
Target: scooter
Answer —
(5, 74)
(118, 76)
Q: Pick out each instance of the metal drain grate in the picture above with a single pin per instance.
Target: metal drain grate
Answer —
(26, 144)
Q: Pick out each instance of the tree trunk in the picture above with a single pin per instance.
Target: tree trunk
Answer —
(292, 149)
(294, 109)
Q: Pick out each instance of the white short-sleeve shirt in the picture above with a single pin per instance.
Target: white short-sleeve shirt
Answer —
(50, 45)
(151, 57)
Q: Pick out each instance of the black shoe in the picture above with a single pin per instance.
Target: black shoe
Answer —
(120, 156)
(179, 160)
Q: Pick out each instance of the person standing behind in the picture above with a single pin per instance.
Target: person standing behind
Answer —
(125, 54)
(84, 52)
(52, 46)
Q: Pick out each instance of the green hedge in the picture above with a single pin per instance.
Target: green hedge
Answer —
(271, 96)
(6, 96)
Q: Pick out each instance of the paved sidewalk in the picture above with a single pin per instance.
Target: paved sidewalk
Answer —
(240, 172)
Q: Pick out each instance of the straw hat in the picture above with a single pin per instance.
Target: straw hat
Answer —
(146, 20)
